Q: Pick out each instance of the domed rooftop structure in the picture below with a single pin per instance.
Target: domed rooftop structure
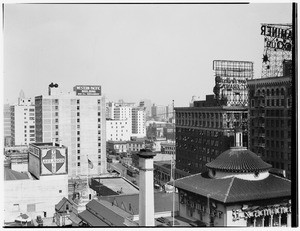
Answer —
(239, 159)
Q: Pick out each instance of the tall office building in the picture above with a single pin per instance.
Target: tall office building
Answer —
(270, 99)
(122, 111)
(77, 120)
(22, 121)
(118, 111)
(7, 125)
(270, 120)
(138, 122)
(206, 129)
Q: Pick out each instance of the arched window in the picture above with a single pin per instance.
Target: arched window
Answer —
(258, 92)
(282, 91)
(268, 92)
(272, 92)
(277, 91)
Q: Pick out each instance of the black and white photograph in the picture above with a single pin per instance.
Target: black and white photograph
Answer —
(149, 114)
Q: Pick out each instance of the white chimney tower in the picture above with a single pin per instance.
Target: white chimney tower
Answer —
(146, 194)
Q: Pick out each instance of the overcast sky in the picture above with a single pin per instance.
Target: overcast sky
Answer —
(158, 52)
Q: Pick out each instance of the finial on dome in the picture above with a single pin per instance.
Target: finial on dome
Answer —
(238, 137)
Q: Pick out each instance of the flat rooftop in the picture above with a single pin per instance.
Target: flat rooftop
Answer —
(46, 145)
(118, 184)
(14, 175)
(168, 222)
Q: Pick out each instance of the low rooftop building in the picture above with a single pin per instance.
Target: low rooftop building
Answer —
(105, 186)
(237, 190)
(123, 210)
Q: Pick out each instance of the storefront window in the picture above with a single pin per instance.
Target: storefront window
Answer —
(250, 222)
(259, 222)
(276, 221)
(267, 221)
(284, 220)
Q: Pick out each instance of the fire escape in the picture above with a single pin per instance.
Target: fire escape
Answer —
(259, 122)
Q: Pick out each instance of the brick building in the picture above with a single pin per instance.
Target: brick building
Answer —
(205, 129)
(270, 120)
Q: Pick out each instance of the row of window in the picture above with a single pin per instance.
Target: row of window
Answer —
(271, 92)
(271, 144)
(270, 123)
(275, 154)
(271, 133)
(271, 103)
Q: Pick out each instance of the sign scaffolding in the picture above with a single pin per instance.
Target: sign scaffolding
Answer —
(277, 54)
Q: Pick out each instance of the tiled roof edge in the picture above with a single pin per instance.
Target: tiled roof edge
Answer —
(229, 188)
(188, 176)
(283, 178)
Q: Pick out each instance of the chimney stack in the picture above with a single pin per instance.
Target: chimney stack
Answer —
(146, 194)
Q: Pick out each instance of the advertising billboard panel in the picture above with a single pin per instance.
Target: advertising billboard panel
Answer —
(54, 161)
(87, 90)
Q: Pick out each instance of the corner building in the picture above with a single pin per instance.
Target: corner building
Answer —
(77, 120)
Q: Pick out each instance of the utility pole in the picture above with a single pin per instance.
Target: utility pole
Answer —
(173, 169)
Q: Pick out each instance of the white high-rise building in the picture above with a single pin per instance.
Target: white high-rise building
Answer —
(118, 111)
(138, 122)
(23, 121)
(77, 120)
(122, 111)
(118, 130)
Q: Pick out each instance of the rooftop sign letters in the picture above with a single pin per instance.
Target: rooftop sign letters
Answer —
(277, 37)
(86, 90)
(239, 214)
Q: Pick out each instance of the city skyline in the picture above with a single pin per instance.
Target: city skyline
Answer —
(134, 51)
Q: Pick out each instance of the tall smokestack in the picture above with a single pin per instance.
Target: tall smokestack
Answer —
(146, 194)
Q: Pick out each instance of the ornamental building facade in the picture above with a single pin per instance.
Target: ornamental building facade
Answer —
(77, 119)
(206, 129)
(237, 190)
